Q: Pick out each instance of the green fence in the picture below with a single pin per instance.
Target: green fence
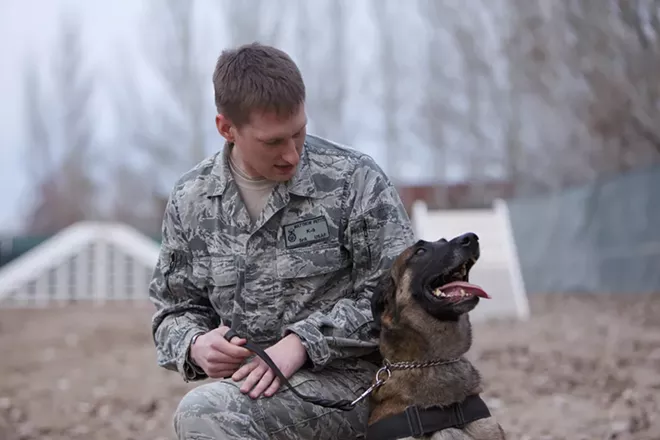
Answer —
(599, 238)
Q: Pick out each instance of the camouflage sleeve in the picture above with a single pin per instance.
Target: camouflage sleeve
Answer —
(182, 308)
(378, 229)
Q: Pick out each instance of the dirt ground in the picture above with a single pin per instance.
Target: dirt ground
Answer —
(583, 368)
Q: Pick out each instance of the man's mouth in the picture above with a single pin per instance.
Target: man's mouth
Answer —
(284, 168)
(458, 287)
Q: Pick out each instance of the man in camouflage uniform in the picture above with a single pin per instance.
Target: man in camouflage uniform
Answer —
(282, 237)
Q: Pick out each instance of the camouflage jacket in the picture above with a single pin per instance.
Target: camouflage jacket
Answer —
(307, 265)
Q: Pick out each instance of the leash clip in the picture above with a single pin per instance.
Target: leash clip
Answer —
(379, 382)
(385, 369)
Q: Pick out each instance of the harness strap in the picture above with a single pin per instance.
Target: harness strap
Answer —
(415, 422)
(344, 405)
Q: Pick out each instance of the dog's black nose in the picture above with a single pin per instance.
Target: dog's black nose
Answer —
(468, 239)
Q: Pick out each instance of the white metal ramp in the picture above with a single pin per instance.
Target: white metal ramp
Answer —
(86, 261)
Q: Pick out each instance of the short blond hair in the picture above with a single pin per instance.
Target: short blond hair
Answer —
(256, 77)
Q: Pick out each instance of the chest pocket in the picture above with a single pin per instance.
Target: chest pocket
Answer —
(310, 262)
(224, 277)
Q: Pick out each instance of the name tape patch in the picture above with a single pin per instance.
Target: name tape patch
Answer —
(306, 232)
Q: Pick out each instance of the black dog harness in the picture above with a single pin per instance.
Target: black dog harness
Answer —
(416, 422)
(413, 421)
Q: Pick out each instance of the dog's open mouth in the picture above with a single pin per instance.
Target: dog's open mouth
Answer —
(459, 289)
(456, 286)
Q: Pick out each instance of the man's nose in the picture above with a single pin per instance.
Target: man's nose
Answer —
(291, 154)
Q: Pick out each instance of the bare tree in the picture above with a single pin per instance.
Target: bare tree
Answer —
(165, 133)
(176, 131)
(322, 56)
(173, 131)
(643, 17)
(137, 202)
(38, 154)
(619, 60)
(587, 70)
(437, 114)
(531, 67)
(248, 21)
(139, 176)
(331, 88)
(63, 149)
(389, 73)
(484, 153)
(544, 125)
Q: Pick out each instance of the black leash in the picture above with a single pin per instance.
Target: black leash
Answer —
(413, 421)
(344, 405)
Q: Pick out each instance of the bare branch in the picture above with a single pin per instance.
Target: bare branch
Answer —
(65, 188)
(388, 69)
(38, 157)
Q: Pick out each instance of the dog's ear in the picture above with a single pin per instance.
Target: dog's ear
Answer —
(382, 295)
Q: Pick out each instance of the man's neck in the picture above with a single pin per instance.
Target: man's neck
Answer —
(245, 180)
(240, 167)
(254, 191)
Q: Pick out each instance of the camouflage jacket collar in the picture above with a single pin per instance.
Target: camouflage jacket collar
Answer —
(301, 184)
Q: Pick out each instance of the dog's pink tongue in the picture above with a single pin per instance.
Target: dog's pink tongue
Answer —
(453, 289)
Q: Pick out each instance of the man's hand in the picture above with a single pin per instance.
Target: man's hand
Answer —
(288, 354)
(217, 357)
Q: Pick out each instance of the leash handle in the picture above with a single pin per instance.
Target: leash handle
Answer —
(344, 405)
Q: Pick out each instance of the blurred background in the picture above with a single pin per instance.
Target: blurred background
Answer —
(552, 106)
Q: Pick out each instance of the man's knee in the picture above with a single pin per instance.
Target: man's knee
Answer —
(215, 410)
(193, 405)
(219, 410)
(288, 417)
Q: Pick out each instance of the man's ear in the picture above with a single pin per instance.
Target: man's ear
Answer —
(225, 127)
(382, 295)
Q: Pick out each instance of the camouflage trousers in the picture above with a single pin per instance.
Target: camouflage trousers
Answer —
(218, 410)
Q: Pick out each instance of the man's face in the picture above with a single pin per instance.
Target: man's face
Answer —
(268, 146)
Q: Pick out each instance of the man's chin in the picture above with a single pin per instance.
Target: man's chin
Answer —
(282, 174)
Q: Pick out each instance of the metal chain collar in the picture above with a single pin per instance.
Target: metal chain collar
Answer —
(389, 366)
(409, 365)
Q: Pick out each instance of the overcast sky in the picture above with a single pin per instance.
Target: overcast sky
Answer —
(28, 26)
(110, 28)
(114, 31)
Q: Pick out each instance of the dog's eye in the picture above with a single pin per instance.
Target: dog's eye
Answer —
(420, 251)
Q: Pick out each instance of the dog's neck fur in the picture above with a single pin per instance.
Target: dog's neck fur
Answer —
(429, 386)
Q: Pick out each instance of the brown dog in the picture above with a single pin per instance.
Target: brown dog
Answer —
(429, 389)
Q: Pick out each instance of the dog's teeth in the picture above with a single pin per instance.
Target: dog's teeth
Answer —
(438, 293)
(463, 293)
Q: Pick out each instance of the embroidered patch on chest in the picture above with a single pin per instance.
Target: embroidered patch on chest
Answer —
(306, 232)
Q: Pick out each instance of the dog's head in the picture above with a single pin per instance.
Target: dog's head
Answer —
(432, 279)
